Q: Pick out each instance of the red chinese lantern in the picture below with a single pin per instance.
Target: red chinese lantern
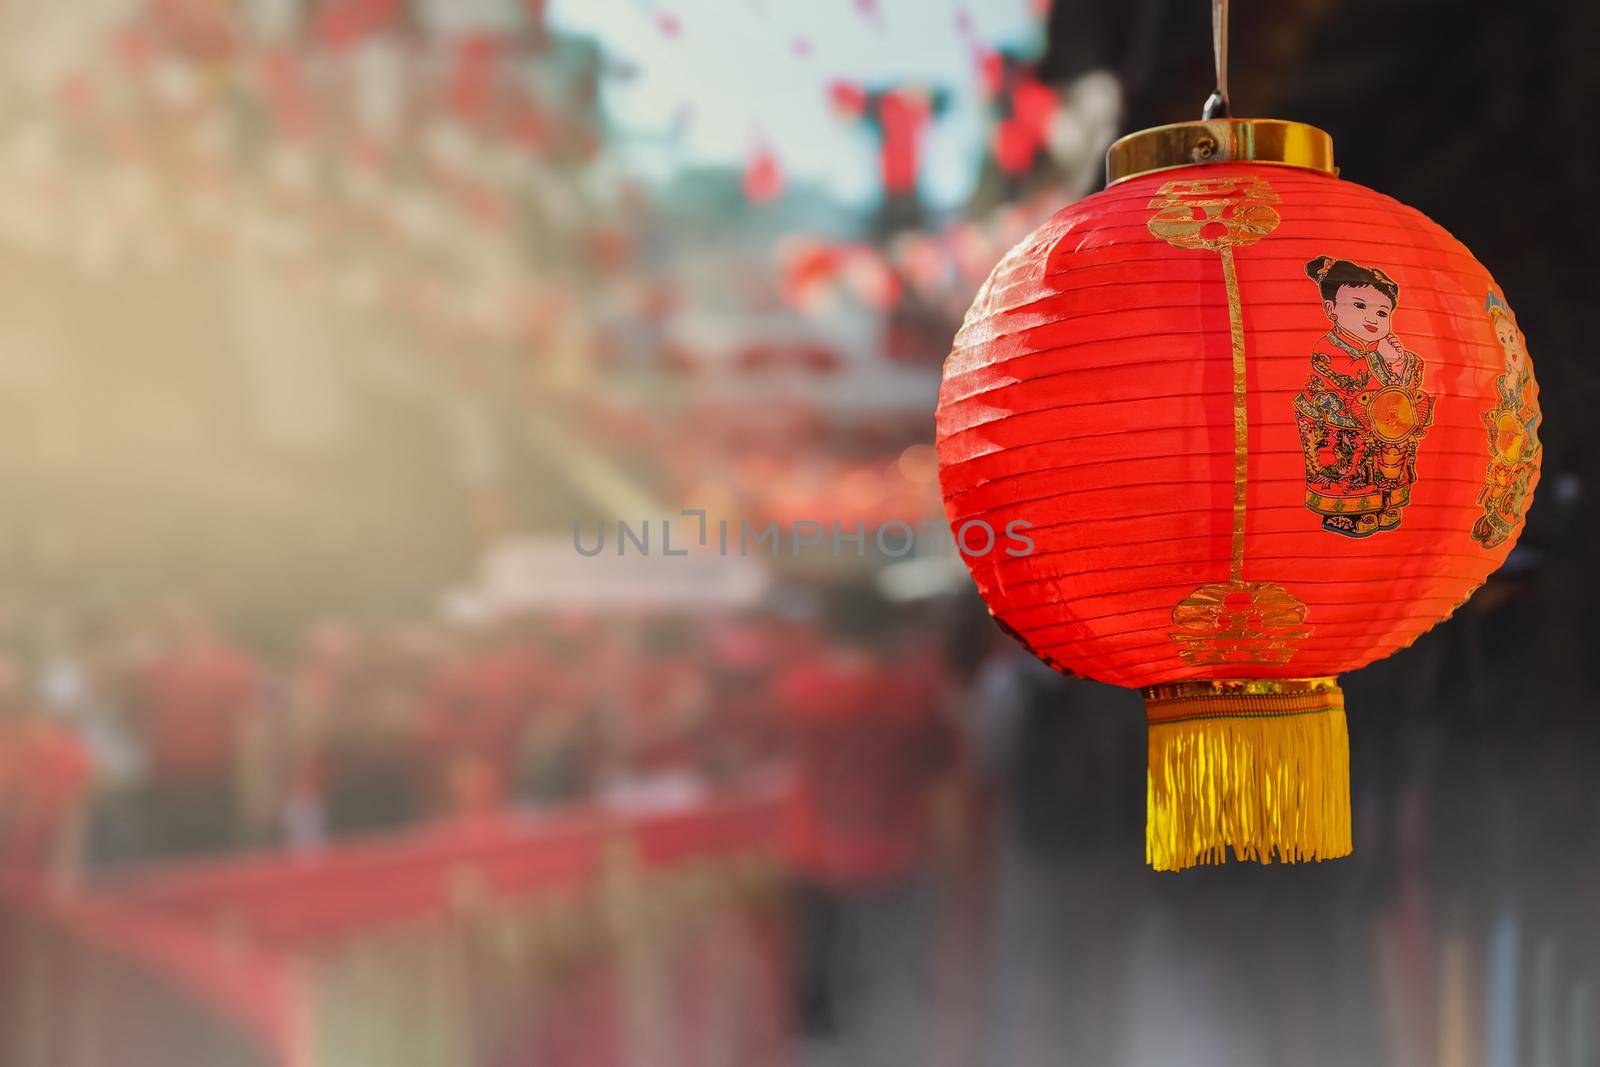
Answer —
(763, 176)
(1264, 426)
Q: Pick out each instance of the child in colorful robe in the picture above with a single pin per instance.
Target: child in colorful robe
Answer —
(1513, 428)
(1363, 412)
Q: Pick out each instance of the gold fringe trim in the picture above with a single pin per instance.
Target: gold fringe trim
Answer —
(1265, 773)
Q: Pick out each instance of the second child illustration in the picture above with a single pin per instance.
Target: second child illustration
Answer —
(1513, 426)
(1363, 412)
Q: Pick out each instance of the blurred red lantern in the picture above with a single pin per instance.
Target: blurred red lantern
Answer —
(475, 76)
(763, 176)
(1024, 108)
(347, 23)
(1267, 426)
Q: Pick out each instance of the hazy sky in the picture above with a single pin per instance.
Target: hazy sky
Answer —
(733, 68)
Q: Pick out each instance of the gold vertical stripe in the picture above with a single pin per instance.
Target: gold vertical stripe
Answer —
(1241, 418)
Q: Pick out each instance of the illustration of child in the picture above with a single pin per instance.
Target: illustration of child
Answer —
(1512, 425)
(1363, 412)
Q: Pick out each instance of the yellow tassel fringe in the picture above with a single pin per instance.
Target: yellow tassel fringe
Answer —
(1265, 771)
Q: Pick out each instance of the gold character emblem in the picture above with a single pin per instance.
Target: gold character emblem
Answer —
(1509, 435)
(1393, 413)
(1214, 213)
(1238, 622)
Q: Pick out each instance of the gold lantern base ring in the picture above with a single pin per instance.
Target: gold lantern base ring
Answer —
(1258, 766)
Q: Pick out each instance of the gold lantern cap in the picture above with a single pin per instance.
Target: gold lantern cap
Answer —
(1275, 142)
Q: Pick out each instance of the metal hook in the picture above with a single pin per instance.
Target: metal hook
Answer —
(1217, 103)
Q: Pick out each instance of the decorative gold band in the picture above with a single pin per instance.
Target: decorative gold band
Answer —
(1219, 687)
(1240, 698)
(1184, 144)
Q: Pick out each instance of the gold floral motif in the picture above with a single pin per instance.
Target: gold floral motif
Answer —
(1214, 213)
(1238, 622)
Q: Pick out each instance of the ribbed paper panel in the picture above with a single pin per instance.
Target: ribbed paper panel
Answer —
(1090, 395)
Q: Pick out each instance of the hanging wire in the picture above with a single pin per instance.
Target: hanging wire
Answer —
(1217, 103)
